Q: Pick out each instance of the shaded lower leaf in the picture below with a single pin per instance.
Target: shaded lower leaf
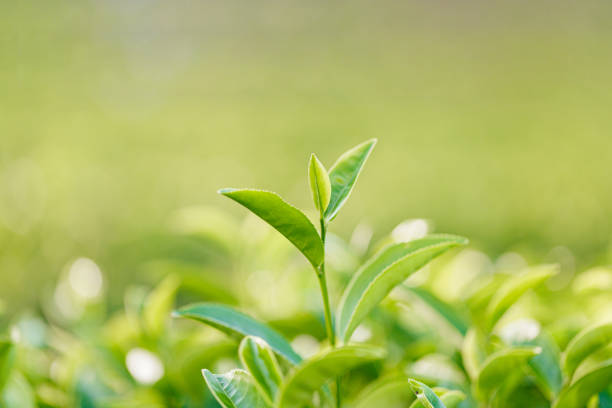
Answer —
(584, 343)
(257, 357)
(448, 312)
(501, 364)
(388, 392)
(7, 358)
(299, 387)
(234, 389)
(238, 324)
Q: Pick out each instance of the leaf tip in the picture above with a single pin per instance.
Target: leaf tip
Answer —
(226, 191)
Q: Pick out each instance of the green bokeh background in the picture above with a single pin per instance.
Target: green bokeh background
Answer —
(493, 118)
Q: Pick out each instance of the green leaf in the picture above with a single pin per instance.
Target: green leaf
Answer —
(257, 357)
(449, 398)
(473, 352)
(343, 176)
(448, 312)
(238, 324)
(383, 272)
(17, 393)
(514, 288)
(592, 376)
(284, 217)
(299, 387)
(497, 367)
(7, 358)
(584, 343)
(425, 395)
(159, 304)
(234, 389)
(319, 184)
(388, 392)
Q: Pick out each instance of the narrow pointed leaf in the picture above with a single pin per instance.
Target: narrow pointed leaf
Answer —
(319, 184)
(259, 360)
(343, 176)
(284, 217)
(514, 288)
(383, 272)
(497, 367)
(159, 304)
(312, 374)
(584, 343)
(425, 395)
(234, 389)
(238, 324)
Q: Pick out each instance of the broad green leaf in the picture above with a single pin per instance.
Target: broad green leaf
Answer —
(449, 398)
(159, 304)
(425, 395)
(448, 312)
(592, 376)
(343, 176)
(473, 352)
(299, 387)
(514, 288)
(284, 217)
(259, 360)
(319, 183)
(383, 272)
(238, 324)
(584, 343)
(388, 392)
(501, 364)
(7, 358)
(234, 389)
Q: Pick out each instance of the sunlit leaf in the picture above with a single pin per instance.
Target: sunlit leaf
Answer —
(473, 353)
(238, 324)
(425, 395)
(449, 398)
(319, 183)
(159, 304)
(343, 176)
(383, 272)
(285, 218)
(514, 288)
(584, 343)
(234, 389)
(388, 392)
(299, 387)
(260, 362)
(497, 367)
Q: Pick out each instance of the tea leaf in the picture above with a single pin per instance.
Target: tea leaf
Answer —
(450, 314)
(257, 357)
(238, 324)
(383, 272)
(514, 288)
(234, 389)
(319, 183)
(501, 364)
(449, 398)
(158, 305)
(343, 176)
(584, 343)
(473, 353)
(7, 358)
(299, 387)
(388, 392)
(284, 217)
(425, 395)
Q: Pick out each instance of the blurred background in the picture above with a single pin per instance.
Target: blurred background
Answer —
(493, 120)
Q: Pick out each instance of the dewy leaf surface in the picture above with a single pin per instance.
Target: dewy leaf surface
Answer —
(343, 176)
(238, 324)
(514, 288)
(383, 272)
(284, 217)
(234, 389)
(584, 343)
(297, 390)
(259, 360)
(425, 395)
(319, 183)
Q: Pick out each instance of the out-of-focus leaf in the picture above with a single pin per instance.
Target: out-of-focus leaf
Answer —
(514, 288)
(383, 272)
(238, 324)
(584, 343)
(159, 304)
(473, 353)
(285, 218)
(501, 364)
(299, 387)
(449, 313)
(7, 358)
(343, 175)
(234, 389)
(319, 183)
(449, 398)
(260, 362)
(592, 376)
(17, 393)
(388, 392)
(425, 395)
